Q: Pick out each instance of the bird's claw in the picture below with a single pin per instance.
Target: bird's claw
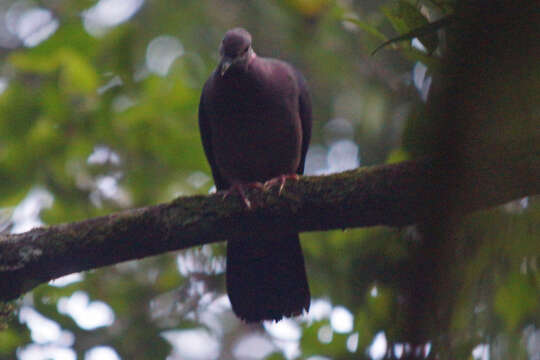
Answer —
(281, 180)
(239, 188)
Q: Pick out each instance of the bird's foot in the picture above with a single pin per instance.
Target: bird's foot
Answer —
(240, 189)
(281, 180)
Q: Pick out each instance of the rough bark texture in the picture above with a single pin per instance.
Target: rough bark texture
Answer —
(393, 195)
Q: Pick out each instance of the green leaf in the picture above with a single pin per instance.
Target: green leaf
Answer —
(409, 21)
(397, 155)
(516, 299)
(403, 16)
(78, 75)
(370, 29)
(40, 64)
(9, 340)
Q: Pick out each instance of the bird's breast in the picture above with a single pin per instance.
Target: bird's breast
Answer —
(256, 135)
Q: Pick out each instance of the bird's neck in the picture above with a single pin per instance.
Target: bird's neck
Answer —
(240, 71)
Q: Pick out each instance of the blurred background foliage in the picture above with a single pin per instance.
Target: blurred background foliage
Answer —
(98, 112)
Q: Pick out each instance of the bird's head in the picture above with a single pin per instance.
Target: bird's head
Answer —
(235, 50)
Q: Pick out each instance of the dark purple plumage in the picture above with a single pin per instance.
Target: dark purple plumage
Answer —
(255, 123)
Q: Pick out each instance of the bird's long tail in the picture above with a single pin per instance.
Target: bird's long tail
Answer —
(266, 277)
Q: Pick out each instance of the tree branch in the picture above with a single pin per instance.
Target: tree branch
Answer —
(393, 195)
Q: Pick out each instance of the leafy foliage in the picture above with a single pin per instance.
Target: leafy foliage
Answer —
(104, 117)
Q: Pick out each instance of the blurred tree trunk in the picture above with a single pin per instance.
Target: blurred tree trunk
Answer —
(488, 94)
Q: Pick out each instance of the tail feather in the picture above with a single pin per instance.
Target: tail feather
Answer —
(266, 278)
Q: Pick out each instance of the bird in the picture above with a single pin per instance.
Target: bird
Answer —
(255, 122)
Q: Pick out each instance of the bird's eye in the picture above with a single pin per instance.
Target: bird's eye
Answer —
(246, 49)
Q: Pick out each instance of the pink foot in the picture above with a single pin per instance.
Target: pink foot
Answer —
(281, 180)
(239, 188)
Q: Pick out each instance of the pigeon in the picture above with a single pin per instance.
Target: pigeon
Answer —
(255, 125)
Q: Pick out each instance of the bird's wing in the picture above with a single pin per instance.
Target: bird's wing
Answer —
(204, 128)
(305, 116)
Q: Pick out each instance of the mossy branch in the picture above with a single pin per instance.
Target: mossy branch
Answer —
(393, 195)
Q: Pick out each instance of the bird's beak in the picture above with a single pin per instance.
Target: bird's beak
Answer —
(225, 64)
